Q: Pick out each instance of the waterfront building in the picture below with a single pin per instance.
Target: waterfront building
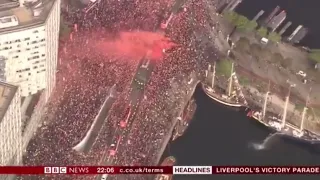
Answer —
(10, 125)
(295, 32)
(29, 32)
(285, 27)
(271, 15)
(299, 35)
(277, 20)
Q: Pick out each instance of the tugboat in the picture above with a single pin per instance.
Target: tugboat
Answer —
(233, 98)
(169, 161)
(280, 125)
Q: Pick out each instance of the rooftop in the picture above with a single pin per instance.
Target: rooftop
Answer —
(14, 16)
(7, 93)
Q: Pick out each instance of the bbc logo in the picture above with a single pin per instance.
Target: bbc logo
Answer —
(55, 170)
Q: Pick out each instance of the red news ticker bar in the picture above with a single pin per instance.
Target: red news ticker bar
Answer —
(265, 169)
(21, 170)
(86, 170)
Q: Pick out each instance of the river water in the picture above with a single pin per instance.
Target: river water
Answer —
(221, 136)
(298, 11)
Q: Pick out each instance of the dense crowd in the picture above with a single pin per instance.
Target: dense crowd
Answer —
(86, 74)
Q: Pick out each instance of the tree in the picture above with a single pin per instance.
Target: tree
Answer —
(241, 22)
(231, 16)
(243, 44)
(262, 32)
(314, 56)
(251, 25)
(224, 67)
(274, 37)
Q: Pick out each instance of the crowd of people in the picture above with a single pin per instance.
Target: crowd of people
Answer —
(85, 75)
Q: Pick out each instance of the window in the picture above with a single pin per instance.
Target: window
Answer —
(6, 20)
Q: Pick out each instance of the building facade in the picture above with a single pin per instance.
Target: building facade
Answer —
(29, 33)
(30, 54)
(10, 125)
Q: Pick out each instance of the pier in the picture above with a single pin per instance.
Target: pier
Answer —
(167, 138)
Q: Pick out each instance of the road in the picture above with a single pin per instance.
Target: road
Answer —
(138, 84)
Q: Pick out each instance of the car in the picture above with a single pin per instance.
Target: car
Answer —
(301, 73)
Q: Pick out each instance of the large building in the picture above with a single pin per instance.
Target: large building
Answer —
(10, 125)
(277, 20)
(29, 32)
(300, 35)
(271, 15)
(295, 32)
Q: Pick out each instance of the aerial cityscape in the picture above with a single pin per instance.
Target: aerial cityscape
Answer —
(104, 83)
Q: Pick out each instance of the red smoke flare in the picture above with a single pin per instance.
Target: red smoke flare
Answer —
(135, 45)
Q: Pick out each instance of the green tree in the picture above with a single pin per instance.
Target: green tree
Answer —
(251, 25)
(224, 67)
(243, 44)
(262, 32)
(241, 22)
(231, 16)
(314, 56)
(274, 37)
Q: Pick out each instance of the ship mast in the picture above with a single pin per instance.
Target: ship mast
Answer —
(213, 75)
(304, 112)
(286, 107)
(230, 82)
(265, 102)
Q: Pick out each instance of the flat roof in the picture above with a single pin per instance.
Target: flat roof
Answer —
(7, 92)
(24, 14)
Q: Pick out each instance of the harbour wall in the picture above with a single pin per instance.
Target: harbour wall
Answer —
(184, 103)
